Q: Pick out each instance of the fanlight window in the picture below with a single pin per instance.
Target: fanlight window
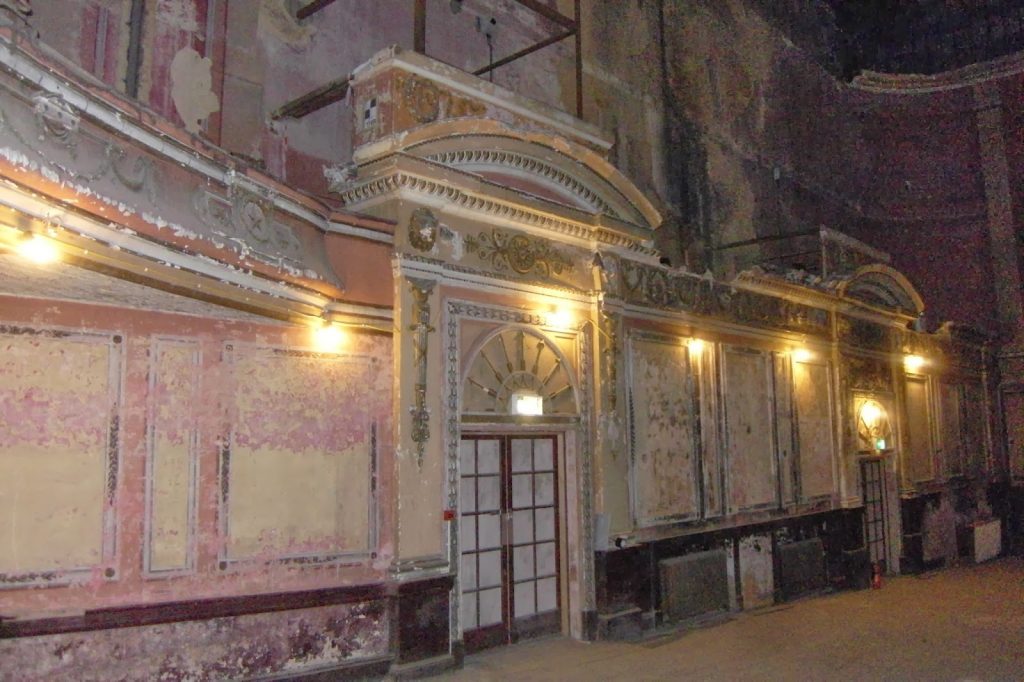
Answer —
(873, 430)
(518, 372)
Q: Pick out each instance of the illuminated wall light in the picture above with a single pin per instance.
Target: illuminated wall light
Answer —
(525, 403)
(696, 346)
(560, 318)
(914, 363)
(802, 355)
(871, 413)
(38, 249)
(328, 337)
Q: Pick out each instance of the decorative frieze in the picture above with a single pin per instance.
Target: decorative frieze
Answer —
(354, 194)
(867, 374)
(517, 252)
(245, 219)
(653, 286)
(426, 102)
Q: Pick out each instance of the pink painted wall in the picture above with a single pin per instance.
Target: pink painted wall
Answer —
(320, 416)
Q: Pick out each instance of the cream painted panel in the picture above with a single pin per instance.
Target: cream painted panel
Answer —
(919, 465)
(663, 428)
(299, 467)
(748, 409)
(172, 452)
(55, 400)
(812, 396)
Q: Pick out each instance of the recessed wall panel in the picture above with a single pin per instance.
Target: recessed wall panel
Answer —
(297, 477)
(812, 397)
(664, 422)
(749, 433)
(58, 468)
(173, 437)
(919, 465)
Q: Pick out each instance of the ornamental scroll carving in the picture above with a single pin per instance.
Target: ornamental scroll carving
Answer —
(649, 285)
(245, 219)
(421, 329)
(519, 253)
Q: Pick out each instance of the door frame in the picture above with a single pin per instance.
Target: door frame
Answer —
(507, 631)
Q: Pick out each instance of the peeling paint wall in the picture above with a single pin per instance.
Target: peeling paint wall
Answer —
(195, 451)
(813, 401)
(238, 647)
(58, 398)
(664, 413)
(747, 392)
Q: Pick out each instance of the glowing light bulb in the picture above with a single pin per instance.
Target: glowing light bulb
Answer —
(696, 346)
(560, 318)
(328, 338)
(802, 355)
(38, 249)
(914, 363)
(871, 413)
(526, 403)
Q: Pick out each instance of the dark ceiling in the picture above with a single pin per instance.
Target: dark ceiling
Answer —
(900, 36)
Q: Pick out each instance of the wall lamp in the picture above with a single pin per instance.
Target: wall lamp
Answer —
(914, 363)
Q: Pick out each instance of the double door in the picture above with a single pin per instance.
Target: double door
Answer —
(509, 540)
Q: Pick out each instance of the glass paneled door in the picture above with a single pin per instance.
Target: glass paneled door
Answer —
(508, 538)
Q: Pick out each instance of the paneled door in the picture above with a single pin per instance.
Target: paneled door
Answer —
(508, 538)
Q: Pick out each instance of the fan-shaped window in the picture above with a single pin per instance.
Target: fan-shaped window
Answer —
(518, 372)
(883, 286)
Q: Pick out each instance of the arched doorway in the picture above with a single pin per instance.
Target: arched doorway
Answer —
(518, 396)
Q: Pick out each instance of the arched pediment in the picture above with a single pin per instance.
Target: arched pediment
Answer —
(881, 285)
(516, 360)
(539, 164)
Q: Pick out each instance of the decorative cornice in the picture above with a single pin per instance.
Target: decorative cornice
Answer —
(658, 287)
(530, 165)
(397, 181)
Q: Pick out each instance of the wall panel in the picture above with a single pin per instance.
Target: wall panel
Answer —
(665, 414)
(812, 394)
(59, 402)
(297, 476)
(172, 439)
(919, 464)
(747, 392)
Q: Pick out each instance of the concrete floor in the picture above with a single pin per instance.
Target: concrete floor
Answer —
(964, 623)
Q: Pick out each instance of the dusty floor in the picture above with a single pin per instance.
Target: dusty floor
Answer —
(957, 624)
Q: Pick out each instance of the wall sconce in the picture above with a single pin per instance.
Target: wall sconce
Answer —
(873, 426)
(560, 318)
(802, 355)
(914, 363)
(38, 249)
(328, 337)
(526, 403)
(696, 346)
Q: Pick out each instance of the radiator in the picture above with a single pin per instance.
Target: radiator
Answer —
(694, 585)
(802, 567)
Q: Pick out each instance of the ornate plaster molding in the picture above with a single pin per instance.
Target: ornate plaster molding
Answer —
(421, 329)
(660, 288)
(397, 181)
(528, 164)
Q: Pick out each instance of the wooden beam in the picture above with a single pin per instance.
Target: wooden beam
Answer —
(548, 13)
(313, 101)
(311, 8)
(522, 53)
(419, 26)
